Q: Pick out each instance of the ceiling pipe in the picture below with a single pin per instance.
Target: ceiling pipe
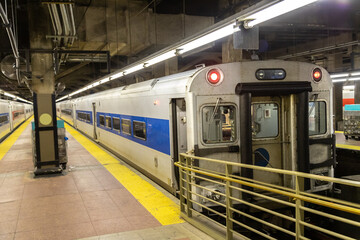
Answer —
(66, 23)
(53, 24)
(57, 20)
(72, 20)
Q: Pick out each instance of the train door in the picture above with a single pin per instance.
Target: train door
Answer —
(274, 128)
(271, 125)
(11, 119)
(94, 119)
(179, 136)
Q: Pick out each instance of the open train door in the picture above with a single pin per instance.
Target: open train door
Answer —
(94, 119)
(274, 127)
(179, 136)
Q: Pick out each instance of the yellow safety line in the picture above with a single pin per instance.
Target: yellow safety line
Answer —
(345, 146)
(10, 140)
(339, 132)
(160, 206)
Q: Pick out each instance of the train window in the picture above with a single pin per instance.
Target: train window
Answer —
(102, 120)
(3, 119)
(116, 124)
(108, 122)
(317, 118)
(139, 130)
(218, 124)
(126, 126)
(265, 120)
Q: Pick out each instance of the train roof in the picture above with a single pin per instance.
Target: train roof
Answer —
(195, 80)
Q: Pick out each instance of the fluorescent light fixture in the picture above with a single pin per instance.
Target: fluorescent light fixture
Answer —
(349, 87)
(355, 74)
(208, 38)
(9, 95)
(134, 69)
(116, 75)
(339, 75)
(340, 80)
(160, 58)
(354, 79)
(276, 10)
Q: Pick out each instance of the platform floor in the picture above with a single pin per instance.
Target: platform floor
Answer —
(351, 143)
(90, 200)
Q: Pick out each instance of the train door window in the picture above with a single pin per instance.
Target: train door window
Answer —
(317, 118)
(265, 120)
(116, 124)
(88, 117)
(108, 122)
(126, 126)
(139, 130)
(102, 120)
(218, 124)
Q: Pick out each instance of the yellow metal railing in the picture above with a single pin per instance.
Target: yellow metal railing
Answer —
(258, 199)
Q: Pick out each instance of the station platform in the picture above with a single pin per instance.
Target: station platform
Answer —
(97, 197)
(350, 144)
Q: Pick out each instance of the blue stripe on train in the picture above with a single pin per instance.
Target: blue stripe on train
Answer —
(157, 131)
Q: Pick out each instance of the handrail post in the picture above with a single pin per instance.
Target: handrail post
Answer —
(229, 212)
(181, 182)
(299, 213)
(188, 187)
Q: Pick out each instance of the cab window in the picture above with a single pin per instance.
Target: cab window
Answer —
(317, 118)
(218, 124)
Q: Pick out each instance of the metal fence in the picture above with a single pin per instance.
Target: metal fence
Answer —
(250, 209)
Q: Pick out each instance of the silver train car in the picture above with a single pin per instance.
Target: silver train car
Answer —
(12, 114)
(246, 112)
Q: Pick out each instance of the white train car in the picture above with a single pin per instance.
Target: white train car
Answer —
(12, 114)
(247, 112)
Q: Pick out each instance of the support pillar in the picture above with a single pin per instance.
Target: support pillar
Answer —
(229, 54)
(334, 64)
(356, 66)
(43, 84)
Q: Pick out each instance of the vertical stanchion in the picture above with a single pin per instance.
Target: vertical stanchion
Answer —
(181, 181)
(299, 213)
(229, 212)
(188, 188)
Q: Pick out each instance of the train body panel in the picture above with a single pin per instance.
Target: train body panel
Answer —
(12, 114)
(150, 123)
(5, 126)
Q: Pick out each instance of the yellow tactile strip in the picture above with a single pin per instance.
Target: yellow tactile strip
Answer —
(10, 140)
(345, 146)
(160, 206)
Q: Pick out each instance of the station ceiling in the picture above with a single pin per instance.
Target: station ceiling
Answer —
(108, 36)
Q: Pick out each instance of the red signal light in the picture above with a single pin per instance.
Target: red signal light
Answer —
(214, 76)
(317, 75)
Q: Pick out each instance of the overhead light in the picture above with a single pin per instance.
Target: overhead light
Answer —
(354, 79)
(115, 76)
(160, 58)
(349, 87)
(355, 74)
(133, 69)
(339, 75)
(340, 80)
(276, 10)
(208, 38)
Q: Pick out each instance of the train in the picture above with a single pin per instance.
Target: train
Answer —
(215, 112)
(12, 114)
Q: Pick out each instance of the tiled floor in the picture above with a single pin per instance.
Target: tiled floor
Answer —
(85, 201)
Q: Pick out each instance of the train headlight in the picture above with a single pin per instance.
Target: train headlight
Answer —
(214, 76)
(317, 75)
